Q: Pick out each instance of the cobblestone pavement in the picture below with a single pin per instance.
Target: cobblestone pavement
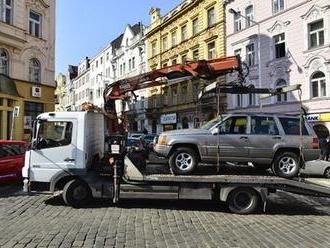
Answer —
(44, 221)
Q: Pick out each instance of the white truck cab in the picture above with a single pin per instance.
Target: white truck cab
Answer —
(64, 142)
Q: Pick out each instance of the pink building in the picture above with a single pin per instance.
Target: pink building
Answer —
(294, 37)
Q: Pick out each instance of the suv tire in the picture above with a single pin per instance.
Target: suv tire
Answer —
(327, 173)
(76, 193)
(183, 161)
(286, 165)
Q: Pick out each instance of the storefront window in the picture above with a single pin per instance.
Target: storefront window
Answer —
(31, 111)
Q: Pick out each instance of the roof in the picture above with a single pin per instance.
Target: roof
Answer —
(7, 85)
(136, 29)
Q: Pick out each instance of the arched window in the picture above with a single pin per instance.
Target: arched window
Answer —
(282, 97)
(4, 62)
(318, 85)
(35, 70)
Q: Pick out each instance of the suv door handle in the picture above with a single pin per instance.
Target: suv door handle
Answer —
(277, 138)
(243, 137)
(69, 160)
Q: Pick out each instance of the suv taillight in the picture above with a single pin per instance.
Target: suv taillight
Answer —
(315, 143)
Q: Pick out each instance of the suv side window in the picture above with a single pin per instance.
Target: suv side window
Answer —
(263, 125)
(234, 125)
(291, 126)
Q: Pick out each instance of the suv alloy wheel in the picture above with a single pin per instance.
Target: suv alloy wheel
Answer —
(183, 161)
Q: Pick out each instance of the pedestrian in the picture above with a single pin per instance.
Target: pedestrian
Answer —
(327, 149)
(323, 147)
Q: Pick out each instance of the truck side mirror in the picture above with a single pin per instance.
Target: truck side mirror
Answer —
(215, 131)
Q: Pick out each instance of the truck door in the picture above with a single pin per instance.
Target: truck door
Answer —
(232, 139)
(55, 149)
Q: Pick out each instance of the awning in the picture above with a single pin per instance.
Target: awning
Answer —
(7, 85)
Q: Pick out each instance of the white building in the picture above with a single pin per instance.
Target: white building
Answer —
(69, 98)
(81, 85)
(294, 49)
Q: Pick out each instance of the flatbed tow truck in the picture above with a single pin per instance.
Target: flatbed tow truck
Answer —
(69, 153)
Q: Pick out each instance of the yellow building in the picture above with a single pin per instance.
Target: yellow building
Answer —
(27, 64)
(193, 30)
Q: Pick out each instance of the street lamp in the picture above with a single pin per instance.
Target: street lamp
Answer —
(234, 12)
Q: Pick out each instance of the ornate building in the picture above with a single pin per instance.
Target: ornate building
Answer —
(294, 39)
(193, 30)
(27, 70)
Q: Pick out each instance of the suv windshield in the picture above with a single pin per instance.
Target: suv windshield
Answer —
(213, 122)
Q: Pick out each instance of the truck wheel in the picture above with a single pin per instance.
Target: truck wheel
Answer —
(76, 193)
(183, 161)
(286, 165)
(243, 201)
(327, 173)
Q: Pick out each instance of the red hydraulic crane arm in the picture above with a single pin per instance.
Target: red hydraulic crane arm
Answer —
(205, 69)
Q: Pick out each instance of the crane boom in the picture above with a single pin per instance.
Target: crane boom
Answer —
(205, 69)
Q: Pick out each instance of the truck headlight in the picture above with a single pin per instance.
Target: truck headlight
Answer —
(162, 140)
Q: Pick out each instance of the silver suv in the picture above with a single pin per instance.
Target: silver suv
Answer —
(266, 140)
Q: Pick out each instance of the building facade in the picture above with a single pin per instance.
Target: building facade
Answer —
(294, 37)
(82, 91)
(27, 64)
(193, 30)
(60, 93)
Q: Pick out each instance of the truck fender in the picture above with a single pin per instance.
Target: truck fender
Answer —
(56, 178)
(263, 192)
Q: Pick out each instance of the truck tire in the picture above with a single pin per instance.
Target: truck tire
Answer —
(243, 201)
(327, 173)
(286, 165)
(183, 161)
(76, 193)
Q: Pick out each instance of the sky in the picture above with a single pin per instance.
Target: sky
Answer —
(83, 28)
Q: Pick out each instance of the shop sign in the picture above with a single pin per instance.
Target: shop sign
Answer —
(325, 117)
(313, 118)
(168, 119)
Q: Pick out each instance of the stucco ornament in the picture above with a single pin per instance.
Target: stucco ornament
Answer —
(315, 12)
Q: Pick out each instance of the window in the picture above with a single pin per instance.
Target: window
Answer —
(153, 49)
(124, 67)
(196, 90)
(195, 55)
(250, 55)
(195, 26)
(237, 21)
(130, 64)
(184, 58)
(31, 111)
(211, 50)
(318, 85)
(8, 150)
(239, 100)
(165, 97)
(291, 126)
(282, 97)
(252, 99)
(107, 58)
(249, 15)
(238, 52)
(101, 60)
(154, 101)
(316, 34)
(164, 65)
(133, 63)
(4, 62)
(54, 134)
(35, 71)
(211, 17)
(263, 125)
(97, 63)
(234, 125)
(165, 43)
(278, 5)
(279, 44)
(174, 62)
(6, 11)
(184, 93)
(174, 38)
(184, 34)
(35, 24)
(174, 96)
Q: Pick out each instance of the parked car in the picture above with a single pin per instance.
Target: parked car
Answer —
(149, 140)
(136, 135)
(266, 140)
(317, 168)
(11, 160)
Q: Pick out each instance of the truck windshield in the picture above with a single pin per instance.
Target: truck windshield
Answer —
(213, 122)
(54, 134)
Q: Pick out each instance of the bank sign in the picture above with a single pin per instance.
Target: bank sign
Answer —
(168, 119)
(318, 117)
